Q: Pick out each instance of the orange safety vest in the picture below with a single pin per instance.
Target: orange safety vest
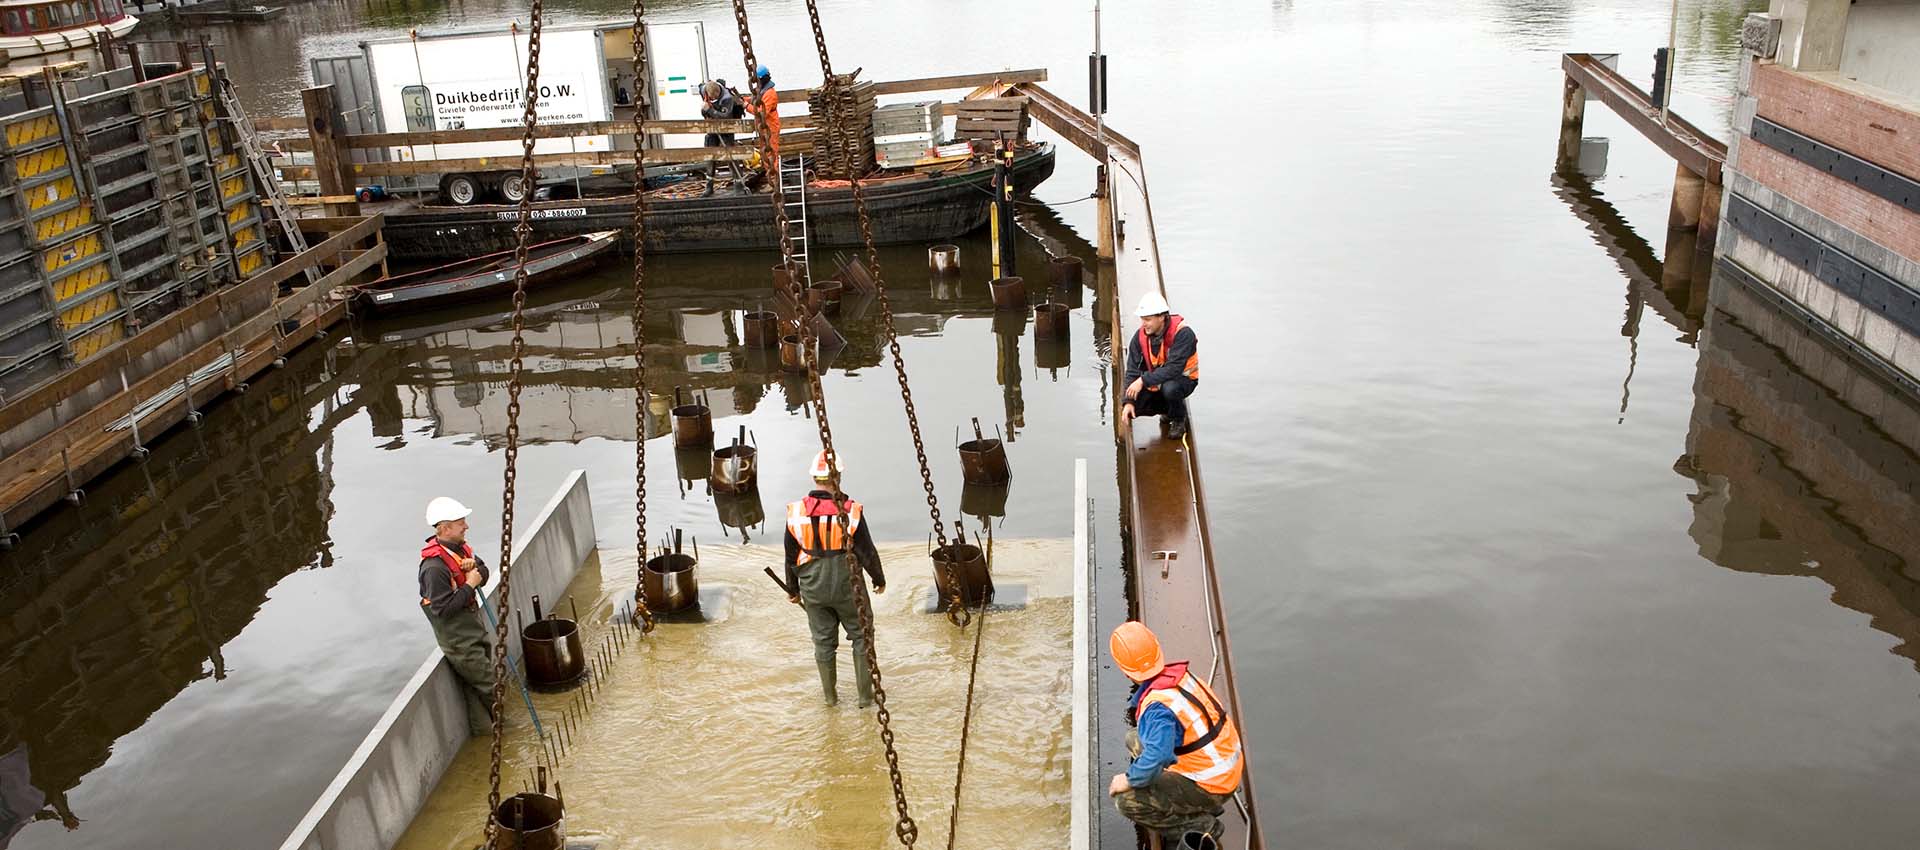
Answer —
(1156, 359)
(804, 522)
(770, 107)
(1209, 750)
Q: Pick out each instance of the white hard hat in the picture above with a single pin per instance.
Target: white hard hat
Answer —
(820, 465)
(443, 509)
(1152, 304)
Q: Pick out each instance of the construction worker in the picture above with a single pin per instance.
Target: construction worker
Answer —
(717, 102)
(819, 544)
(1163, 366)
(766, 101)
(450, 579)
(1186, 750)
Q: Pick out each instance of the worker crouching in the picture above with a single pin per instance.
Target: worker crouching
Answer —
(450, 579)
(819, 545)
(1186, 750)
(1163, 366)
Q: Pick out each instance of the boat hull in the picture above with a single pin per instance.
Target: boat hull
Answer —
(458, 289)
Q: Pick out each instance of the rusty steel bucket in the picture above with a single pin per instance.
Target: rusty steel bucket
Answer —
(734, 466)
(966, 564)
(670, 578)
(780, 281)
(1009, 293)
(692, 422)
(793, 353)
(1050, 320)
(532, 820)
(1063, 273)
(551, 648)
(823, 297)
(984, 461)
(760, 329)
(944, 259)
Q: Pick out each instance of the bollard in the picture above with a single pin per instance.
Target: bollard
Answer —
(1009, 293)
(1050, 320)
(692, 422)
(672, 584)
(984, 461)
(944, 260)
(761, 330)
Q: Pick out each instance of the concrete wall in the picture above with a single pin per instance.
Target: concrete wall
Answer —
(373, 799)
(1882, 45)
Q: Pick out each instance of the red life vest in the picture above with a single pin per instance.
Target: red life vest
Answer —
(1156, 359)
(434, 549)
(835, 538)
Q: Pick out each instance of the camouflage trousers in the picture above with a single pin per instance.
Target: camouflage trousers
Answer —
(1172, 805)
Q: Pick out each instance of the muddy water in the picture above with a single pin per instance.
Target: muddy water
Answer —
(714, 734)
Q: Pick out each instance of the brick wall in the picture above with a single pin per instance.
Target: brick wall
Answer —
(1886, 223)
(1877, 132)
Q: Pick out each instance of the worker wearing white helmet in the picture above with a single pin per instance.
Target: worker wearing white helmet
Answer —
(1163, 366)
(450, 578)
(819, 544)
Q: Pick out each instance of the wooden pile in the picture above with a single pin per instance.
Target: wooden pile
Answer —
(856, 104)
(988, 118)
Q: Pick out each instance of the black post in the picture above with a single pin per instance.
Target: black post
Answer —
(1660, 93)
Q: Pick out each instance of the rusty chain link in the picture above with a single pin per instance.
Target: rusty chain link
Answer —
(642, 615)
(904, 827)
(522, 232)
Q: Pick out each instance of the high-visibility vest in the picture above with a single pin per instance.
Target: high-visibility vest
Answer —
(435, 549)
(1157, 359)
(1209, 749)
(816, 524)
(770, 107)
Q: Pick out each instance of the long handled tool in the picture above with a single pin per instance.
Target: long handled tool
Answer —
(493, 623)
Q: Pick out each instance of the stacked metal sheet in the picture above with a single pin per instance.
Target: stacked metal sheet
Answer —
(906, 132)
(120, 201)
(831, 159)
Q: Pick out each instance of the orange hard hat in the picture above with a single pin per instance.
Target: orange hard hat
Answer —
(1136, 650)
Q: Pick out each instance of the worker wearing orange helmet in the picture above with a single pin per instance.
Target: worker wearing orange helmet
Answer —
(819, 544)
(1186, 750)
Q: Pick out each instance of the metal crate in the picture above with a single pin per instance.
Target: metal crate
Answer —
(916, 117)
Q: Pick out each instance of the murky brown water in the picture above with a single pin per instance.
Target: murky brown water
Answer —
(1519, 550)
(713, 735)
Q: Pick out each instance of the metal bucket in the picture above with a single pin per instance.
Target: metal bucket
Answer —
(1009, 293)
(965, 563)
(1050, 320)
(692, 422)
(670, 578)
(780, 281)
(532, 820)
(824, 297)
(793, 357)
(1063, 273)
(984, 461)
(944, 259)
(734, 467)
(761, 330)
(551, 648)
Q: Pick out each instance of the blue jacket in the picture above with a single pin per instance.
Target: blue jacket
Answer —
(1159, 732)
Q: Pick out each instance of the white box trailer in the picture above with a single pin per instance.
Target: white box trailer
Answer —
(475, 79)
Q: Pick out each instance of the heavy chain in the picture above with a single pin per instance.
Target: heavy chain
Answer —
(522, 232)
(904, 827)
(642, 615)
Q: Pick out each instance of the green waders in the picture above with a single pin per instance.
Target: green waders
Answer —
(463, 638)
(1171, 804)
(828, 598)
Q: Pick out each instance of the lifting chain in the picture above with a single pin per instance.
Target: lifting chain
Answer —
(522, 232)
(642, 615)
(904, 828)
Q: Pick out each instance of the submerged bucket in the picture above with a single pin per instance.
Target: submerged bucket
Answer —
(780, 281)
(1052, 353)
(734, 466)
(1063, 273)
(824, 297)
(944, 259)
(531, 821)
(692, 464)
(551, 647)
(740, 510)
(966, 564)
(793, 356)
(692, 422)
(761, 330)
(670, 580)
(1009, 293)
(984, 461)
(1050, 320)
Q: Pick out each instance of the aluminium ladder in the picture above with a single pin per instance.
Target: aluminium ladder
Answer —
(263, 171)
(793, 188)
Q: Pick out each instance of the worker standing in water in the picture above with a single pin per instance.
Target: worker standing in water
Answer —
(819, 545)
(450, 579)
(1163, 366)
(1186, 750)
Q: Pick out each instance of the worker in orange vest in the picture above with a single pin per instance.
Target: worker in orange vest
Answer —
(450, 578)
(766, 101)
(1163, 366)
(819, 544)
(1186, 750)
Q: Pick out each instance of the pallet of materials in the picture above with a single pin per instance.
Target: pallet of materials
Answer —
(992, 118)
(856, 105)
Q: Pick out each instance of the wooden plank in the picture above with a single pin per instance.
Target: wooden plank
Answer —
(332, 161)
(994, 104)
(319, 200)
(1686, 145)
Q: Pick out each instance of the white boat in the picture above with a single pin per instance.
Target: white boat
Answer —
(36, 33)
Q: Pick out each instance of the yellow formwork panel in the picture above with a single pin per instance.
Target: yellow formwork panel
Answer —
(97, 340)
(81, 314)
(250, 263)
(245, 236)
(32, 130)
(61, 256)
(227, 162)
(30, 165)
(80, 282)
(240, 212)
(62, 223)
(202, 83)
(233, 186)
(41, 197)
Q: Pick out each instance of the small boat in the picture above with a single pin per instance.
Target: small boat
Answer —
(484, 276)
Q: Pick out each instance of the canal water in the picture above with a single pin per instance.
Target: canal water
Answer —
(1520, 550)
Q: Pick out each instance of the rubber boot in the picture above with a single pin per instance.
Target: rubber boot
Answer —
(828, 679)
(864, 685)
(1197, 841)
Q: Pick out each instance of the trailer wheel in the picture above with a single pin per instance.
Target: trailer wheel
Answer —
(460, 189)
(512, 186)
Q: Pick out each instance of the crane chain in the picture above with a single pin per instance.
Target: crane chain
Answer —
(642, 614)
(904, 827)
(522, 231)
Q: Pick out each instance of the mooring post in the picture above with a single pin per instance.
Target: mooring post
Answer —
(332, 159)
(1688, 188)
(1707, 231)
(1573, 116)
(1103, 201)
